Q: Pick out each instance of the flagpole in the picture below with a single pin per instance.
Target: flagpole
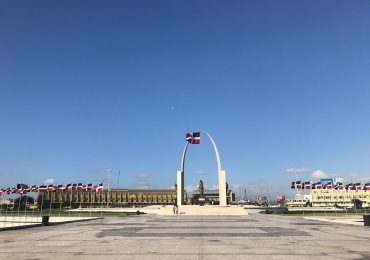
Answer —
(12, 209)
(25, 211)
(42, 203)
(79, 212)
(60, 202)
(51, 201)
(1, 210)
(109, 171)
(70, 201)
(19, 205)
(101, 204)
(91, 199)
(33, 210)
(6, 210)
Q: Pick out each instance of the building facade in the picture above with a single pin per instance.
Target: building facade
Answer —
(333, 198)
(113, 197)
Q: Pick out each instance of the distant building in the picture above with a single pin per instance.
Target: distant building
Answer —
(333, 198)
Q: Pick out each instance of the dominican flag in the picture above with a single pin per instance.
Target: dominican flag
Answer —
(61, 188)
(328, 186)
(51, 188)
(196, 138)
(318, 186)
(34, 188)
(338, 186)
(293, 185)
(298, 185)
(307, 185)
(350, 186)
(69, 187)
(193, 138)
(89, 187)
(367, 186)
(358, 186)
(99, 188)
(42, 188)
(79, 186)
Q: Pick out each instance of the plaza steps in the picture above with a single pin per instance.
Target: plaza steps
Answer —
(214, 210)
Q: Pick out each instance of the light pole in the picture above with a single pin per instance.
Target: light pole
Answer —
(296, 171)
(108, 171)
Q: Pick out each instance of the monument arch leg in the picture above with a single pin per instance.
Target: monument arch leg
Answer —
(180, 188)
(222, 188)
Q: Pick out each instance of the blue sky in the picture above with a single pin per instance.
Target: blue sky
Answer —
(90, 85)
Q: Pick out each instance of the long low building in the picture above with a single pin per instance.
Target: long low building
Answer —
(114, 197)
(332, 198)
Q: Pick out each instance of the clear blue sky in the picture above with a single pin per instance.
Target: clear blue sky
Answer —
(88, 85)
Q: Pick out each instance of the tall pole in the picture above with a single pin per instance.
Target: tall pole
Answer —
(109, 171)
(119, 173)
(91, 197)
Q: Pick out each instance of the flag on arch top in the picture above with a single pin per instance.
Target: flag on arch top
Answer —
(196, 138)
(193, 138)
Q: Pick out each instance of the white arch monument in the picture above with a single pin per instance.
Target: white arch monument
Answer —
(221, 175)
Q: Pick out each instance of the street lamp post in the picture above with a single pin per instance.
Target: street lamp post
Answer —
(296, 171)
(108, 171)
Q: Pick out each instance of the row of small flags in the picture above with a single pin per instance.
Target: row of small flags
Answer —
(24, 189)
(299, 185)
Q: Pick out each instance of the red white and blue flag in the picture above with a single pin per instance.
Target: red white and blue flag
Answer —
(99, 188)
(307, 185)
(193, 138)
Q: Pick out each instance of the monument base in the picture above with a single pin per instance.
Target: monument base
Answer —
(208, 210)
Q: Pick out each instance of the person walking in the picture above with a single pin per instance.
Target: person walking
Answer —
(174, 209)
(177, 210)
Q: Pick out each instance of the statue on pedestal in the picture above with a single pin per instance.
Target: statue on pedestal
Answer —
(201, 189)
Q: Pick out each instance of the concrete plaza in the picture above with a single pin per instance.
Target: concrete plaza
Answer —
(255, 236)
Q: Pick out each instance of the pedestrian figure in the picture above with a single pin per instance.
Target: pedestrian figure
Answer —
(174, 209)
(177, 210)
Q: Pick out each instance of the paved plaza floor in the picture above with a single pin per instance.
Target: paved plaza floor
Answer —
(255, 236)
